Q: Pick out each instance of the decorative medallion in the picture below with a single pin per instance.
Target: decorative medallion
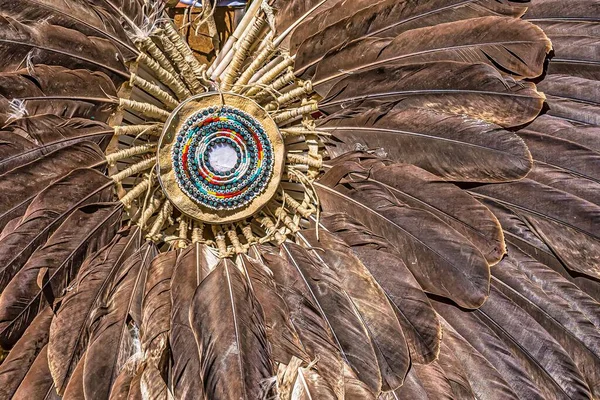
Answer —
(220, 157)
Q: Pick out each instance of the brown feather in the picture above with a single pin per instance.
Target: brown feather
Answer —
(44, 43)
(425, 381)
(370, 303)
(78, 15)
(83, 232)
(20, 186)
(282, 336)
(514, 46)
(318, 282)
(459, 356)
(572, 98)
(481, 349)
(312, 326)
(566, 223)
(46, 212)
(113, 339)
(473, 90)
(74, 390)
(21, 357)
(452, 147)
(229, 328)
(357, 20)
(38, 383)
(43, 89)
(419, 322)
(193, 265)
(49, 133)
(420, 189)
(442, 260)
(569, 327)
(309, 385)
(156, 309)
(152, 384)
(69, 333)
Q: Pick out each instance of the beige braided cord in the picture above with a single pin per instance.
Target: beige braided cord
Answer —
(235, 241)
(254, 66)
(291, 96)
(296, 206)
(134, 193)
(287, 220)
(178, 59)
(197, 68)
(241, 53)
(172, 81)
(134, 169)
(144, 109)
(148, 46)
(148, 212)
(293, 113)
(285, 80)
(155, 91)
(163, 217)
(270, 75)
(138, 130)
(220, 241)
(248, 234)
(130, 152)
(272, 231)
(184, 225)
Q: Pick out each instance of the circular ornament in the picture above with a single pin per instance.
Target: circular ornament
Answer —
(220, 157)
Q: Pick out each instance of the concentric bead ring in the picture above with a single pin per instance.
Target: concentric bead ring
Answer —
(222, 158)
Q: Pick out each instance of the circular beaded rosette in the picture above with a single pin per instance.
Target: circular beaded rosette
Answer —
(222, 158)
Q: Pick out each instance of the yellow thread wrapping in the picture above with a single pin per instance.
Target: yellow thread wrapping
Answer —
(134, 193)
(148, 45)
(169, 79)
(155, 91)
(134, 169)
(136, 130)
(241, 53)
(130, 152)
(145, 109)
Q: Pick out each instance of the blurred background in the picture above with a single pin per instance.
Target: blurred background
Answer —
(199, 23)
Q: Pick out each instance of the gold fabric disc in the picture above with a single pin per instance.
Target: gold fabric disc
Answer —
(220, 158)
